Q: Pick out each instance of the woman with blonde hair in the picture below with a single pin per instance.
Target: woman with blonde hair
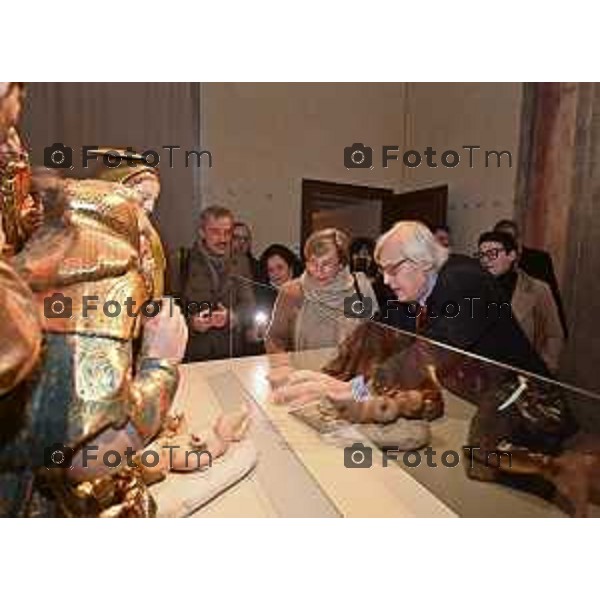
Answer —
(326, 303)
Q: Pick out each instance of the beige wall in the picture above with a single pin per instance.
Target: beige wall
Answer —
(265, 138)
(447, 116)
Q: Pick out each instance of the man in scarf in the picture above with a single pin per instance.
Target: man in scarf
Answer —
(216, 290)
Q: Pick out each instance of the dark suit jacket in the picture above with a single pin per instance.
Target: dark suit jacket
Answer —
(480, 325)
(538, 264)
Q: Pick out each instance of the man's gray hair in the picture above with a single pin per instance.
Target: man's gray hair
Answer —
(414, 241)
(214, 212)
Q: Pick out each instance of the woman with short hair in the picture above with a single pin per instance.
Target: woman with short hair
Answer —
(326, 303)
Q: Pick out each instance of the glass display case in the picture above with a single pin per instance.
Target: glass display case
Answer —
(438, 429)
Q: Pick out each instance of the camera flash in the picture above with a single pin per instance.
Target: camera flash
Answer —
(260, 318)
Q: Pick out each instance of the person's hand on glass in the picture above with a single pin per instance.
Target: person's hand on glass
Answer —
(304, 387)
(280, 369)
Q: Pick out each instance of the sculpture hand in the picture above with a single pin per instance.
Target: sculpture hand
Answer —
(32, 216)
(174, 424)
(166, 335)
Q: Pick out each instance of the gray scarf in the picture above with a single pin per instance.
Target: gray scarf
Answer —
(217, 266)
(321, 322)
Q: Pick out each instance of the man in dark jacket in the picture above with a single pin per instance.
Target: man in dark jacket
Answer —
(537, 264)
(216, 290)
(457, 303)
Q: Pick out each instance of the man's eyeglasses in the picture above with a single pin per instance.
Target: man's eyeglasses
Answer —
(391, 270)
(491, 254)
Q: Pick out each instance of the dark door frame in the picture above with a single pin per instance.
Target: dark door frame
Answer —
(313, 189)
(428, 205)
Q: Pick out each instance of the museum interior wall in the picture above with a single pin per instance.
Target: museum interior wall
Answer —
(450, 115)
(267, 137)
(264, 138)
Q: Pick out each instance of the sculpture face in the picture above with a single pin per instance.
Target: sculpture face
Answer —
(10, 109)
(148, 186)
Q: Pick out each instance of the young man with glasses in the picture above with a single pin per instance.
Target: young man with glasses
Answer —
(537, 264)
(531, 299)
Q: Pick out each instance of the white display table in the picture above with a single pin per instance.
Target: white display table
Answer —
(298, 474)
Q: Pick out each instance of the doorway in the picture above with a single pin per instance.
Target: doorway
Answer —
(362, 211)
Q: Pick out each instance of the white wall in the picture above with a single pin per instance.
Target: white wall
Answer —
(447, 116)
(264, 138)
